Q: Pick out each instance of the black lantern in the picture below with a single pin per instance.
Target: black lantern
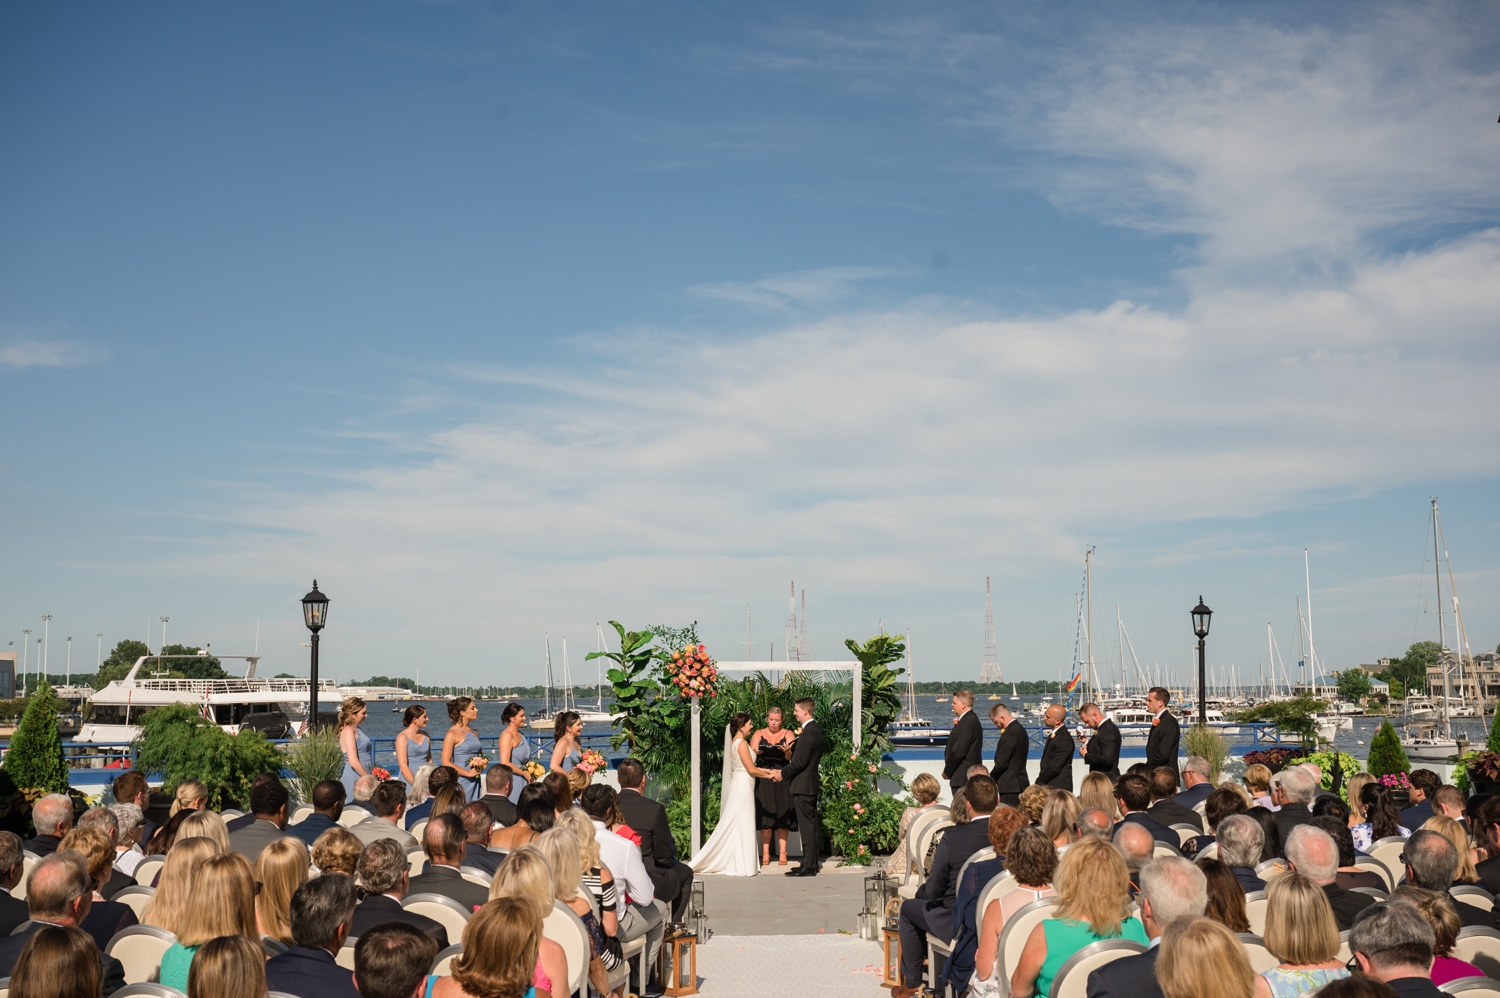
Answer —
(314, 615)
(1201, 616)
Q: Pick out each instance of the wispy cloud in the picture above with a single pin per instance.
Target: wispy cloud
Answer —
(796, 289)
(27, 352)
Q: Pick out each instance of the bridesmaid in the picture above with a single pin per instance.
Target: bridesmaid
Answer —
(359, 751)
(566, 750)
(515, 750)
(461, 744)
(413, 744)
(772, 746)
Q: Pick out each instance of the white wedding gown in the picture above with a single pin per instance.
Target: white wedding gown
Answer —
(734, 847)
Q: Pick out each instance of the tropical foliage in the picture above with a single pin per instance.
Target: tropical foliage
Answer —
(1386, 754)
(1347, 766)
(859, 817)
(35, 757)
(879, 699)
(177, 743)
(1293, 717)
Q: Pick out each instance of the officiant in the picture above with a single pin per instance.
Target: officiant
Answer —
(772, 746)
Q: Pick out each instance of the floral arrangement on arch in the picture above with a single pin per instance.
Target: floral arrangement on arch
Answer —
(859, 818)
(592, 761)
(692, 672)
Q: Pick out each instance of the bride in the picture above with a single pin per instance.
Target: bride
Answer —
(734, 847)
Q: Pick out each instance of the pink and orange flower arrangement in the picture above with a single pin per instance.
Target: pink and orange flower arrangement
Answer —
(592, 761)
(381, 773)
(693, 672)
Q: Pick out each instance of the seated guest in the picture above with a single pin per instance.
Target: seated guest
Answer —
(1060, 816)
(1137, 848)
(12, 869)
(1217, 806)
(52, 817)
(105, 917)
(1312, 851)
(105, 820)
(925, 790)
(1164, 807)
(444, 841)
(525, 876)
(1424, 784)
(478, 821)
(384, 872)
(59, 892)
(1258, 783)
(189, 796)
(1431, 862)
(595, 876)
(322, 909)
(166, 834)
(232, 825)
(58, 961)
(1332, 806)
(1241, 840)
(1270, 833)
(534, 815)
(364, 793)
(204, 824)
(1449, 802)
(1485, 828)
(1302, 935)
(1093, 894)
(1032, 859)
(644, 914)
(559, 847)
(1004, 820)
(1393, 943)
(390, 804)
(578, 781)
(644, 821)
(1455, 833)
(1382, 820)
(1098, 790)
(1226, 898)
(1351, 876)
(1031, 802)
(280, 870)
(128, 819)
(934, 912)
(1171, 889)
(391, 961)
(174, 887)
(1197, 783)
(270, 804)
(1095, 821)
(500, 955)
(1293, 790)
(131, 788)
(1133, 794)
(1202, 959)
(1441, 914)
(557, 785)
(337, 851)
(440, 778)
(328, 805)
(498, 780)
(228, 967)
(449, 800)
(222, 904)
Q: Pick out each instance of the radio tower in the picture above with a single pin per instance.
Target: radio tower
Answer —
(791, 645)
(804, 654)
(989, 672)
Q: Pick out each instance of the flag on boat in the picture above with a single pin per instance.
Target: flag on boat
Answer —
(1073, 683)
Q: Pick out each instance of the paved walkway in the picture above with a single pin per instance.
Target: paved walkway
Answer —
(775, 905)
(826, 966)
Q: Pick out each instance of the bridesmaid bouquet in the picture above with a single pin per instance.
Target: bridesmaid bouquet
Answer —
(534, 770)
(479, 762)
(693, 672)
(381, 773)
(592, 761)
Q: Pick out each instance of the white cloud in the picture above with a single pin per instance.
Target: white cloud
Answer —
(798, 288)
(23, 352)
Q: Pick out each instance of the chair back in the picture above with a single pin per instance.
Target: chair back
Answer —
(1018, 929)
(1255, 911)
(136, 897)
(1162, 849)
(147, 990)
(986, 853)
(1479, 945)
(563, 926)
(440, 908)
(1374, 892)
(923, 838)
(1073, 976)
(1185, 831)
(1210, 851)
(272, 947)
(1000, 885)
(1377, 867)
(345, 956)
(1270, 869)
(1388, 850)
(416, 861)
(475, 875)
(1261, 959)
(230, 813)
(1470, 894)
(1345, 954)
(300, 814)
(1474, 987)
(29, 859)
(353, 816)
(147, 869)
(417, 829)
(442, 963)
(4, 987)
(139, 950)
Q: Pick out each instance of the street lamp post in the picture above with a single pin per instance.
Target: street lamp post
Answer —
(46, 641)
(25, 657)
(99, 653)
(314, 615)
(1201, 615)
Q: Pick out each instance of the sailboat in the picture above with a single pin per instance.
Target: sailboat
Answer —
(1013, 695)
(1431, 743)
(910, 728)
(598, 715)
(544, 720)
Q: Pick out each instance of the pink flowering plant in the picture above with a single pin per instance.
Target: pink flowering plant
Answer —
(592, 761)
(860, 817)
(1395, 781)
(692, 671)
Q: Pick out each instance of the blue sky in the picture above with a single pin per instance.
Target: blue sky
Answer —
(502, 318)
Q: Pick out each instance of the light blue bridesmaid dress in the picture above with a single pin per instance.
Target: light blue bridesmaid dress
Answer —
(518, 758)
(462, 753)
(365, 750)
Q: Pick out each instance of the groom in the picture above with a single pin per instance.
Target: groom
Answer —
(802, 771)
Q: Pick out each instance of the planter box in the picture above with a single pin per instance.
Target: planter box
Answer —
(1481, 784)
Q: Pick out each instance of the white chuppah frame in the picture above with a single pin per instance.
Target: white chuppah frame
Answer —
(723, 667)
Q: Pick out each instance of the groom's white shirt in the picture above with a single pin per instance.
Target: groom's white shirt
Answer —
(623, 857)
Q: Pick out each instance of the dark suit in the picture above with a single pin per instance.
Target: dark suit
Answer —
(13, 911)
(310, 827)
(1127, 977)
(672, 880)
(502, 808)
(964, 749)
(1191, 797)
(802, 771)
(1415, 987)
(416, 814)
(1346, 905)
(1169, 812)
(10, 952)
(1489, 872)
(1159, 832)
(303, 971)
(249, 841)
(378, 909)
(480, 858)
(447, 881)
(934, 913)
(46, 845)
(116, 883)
(235, 824)
(1413, 816)
(107, 918)
(1010, 762)
(1247, 878)
(1161, 744)
(1103, 754)
(1057, 759)
(1289, 817)
(1469, 914)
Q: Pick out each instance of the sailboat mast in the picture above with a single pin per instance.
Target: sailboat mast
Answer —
(1312, 650)
(547, 693)
(1437, 574)
(599, 687)
(911, 681)
(1088, 590)
(1460, 632)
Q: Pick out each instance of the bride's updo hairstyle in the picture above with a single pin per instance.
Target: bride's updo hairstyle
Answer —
(737, 722)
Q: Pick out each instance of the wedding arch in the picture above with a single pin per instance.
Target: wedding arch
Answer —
(853, 668)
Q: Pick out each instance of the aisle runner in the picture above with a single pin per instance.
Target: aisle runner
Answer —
(777, 966)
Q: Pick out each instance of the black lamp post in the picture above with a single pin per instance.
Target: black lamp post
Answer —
(1201, 615)
(314, 615)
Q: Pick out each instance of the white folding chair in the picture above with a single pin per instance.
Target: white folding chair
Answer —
(1018, 929)
(1185, 831)
(139, 950)
(442, 962)
(1261, 959)
(301, 814)
(563, 926)
(416, 861)
(1255, 911)
(136, 898)
(1388, 850)
(147, 990)
(230, 813)
(1270, 869)
(1479, 945)
(1378, 868)
(1374, 892)
(1000, 885)
(1476, 896)
(272, 947)
(1345, 954)
(417, 829)
(923, 838)
(353, 816)
(983, 854)
(345, 956)
(28, 860)
(475, 875)
(1210, 851)
(1073, 976)
(147, 869)
(439, 908)
(1474, 987)
(1162, 849)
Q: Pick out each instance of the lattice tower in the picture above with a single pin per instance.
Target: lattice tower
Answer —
(989, 672)
(791, 644)
(804, 653)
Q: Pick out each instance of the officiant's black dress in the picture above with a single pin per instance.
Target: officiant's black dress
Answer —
(773, 799)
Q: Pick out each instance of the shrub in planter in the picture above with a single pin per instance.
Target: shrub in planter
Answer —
(179, 743)
(35, 758)
(1274, 759)
(1386, 754)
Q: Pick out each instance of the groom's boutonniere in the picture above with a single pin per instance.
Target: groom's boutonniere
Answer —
(1155, 721)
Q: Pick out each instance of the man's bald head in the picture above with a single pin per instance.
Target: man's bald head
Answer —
(1313, 852)
(1056, 714)
(1136, 844)
(52, 815)
(59, 889)
(1095, 821)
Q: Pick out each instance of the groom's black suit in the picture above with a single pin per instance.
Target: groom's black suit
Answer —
(802, 772)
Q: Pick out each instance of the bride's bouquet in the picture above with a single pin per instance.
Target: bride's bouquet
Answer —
(693, 672)
(592, 761)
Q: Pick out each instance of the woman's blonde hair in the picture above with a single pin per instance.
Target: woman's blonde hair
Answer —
(228, 967)
(205, 824)
(1300, 927)
(524, 873)
(1258, 778)
(501, 943)
(189, 792)
(1060, 816)
(1033, 801)
(280, 869)
(59, 961)
(1202, 959)
(1356, 784)
(347, 710)
(417, 792)
(222, 902)
(560, 848)
(174, 887)
(1098, 792)
(1093, 885)
(1440, 912)
(96, 848)
(449, 800)
(1455, 833)
(575, 821)
(925, 788)
(579, 780)
(337, 851)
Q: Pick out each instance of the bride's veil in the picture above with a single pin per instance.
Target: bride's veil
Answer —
(728, 752)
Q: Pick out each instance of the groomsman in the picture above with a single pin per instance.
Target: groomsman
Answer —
(1010, 756)
(1057, 751)
(1101, 753)
(1161, 745)
(965, 742)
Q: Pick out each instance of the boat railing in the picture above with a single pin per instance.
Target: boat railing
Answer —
(1246, 735)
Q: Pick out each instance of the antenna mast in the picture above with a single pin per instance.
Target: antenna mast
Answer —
(790, 645)
(989, 671)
